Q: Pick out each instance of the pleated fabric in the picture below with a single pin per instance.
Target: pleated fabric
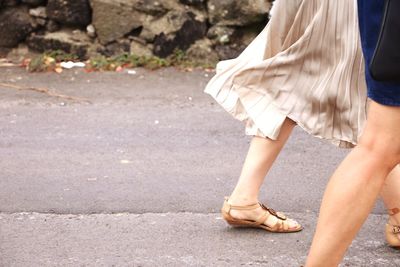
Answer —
(306, 65)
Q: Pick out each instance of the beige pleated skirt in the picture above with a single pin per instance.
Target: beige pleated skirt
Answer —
(306, 65)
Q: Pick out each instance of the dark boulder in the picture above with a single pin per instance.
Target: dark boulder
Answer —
(34, 2)
(71, 12)
(238, 13)
(193, 2)
(74, 42)
(15, 25)
(8, 3)
(189, 32)
(113, 20)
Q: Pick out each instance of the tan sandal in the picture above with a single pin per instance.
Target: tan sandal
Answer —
(393, 231)
(281, 225)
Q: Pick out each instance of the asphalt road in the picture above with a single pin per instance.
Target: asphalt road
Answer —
(136, 177)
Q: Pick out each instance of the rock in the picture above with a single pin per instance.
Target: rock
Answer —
(10, 3)
(229, 51)
(247, 34)
(40, 21)
(182, 31)
(239, 40)
(200, 11)
(74, 42)
(19, 53)
(221, 34)
(4, 51)
(39, 16)
(34, 2)
(15, 25)
(143, 27)
(141, 48)
(168, 24)
(238, 13)
(52, 26)
(151, 7)
(91, 31)
(94, 50)
(202, 51)
(193, 2)
(72, 12)
(147, 34)
(116, 48)
(114, 19)
(39, 12)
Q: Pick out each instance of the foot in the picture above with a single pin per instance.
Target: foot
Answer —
(271, 221)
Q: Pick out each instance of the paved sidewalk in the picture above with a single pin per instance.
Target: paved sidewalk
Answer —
(136, 177)
(168, 239)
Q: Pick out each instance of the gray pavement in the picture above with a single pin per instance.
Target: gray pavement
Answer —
(136, 177)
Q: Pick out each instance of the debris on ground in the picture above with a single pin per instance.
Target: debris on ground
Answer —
(71, 64)
(4, 62)
(56, 61)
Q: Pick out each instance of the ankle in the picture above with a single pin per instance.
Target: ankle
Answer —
(242, 200)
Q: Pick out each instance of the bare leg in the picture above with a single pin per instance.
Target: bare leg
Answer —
(261, 155)
(354, 187)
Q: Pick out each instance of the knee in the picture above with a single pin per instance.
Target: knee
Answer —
(382, 150)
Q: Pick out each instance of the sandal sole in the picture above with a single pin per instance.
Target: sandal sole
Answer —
(245, 224)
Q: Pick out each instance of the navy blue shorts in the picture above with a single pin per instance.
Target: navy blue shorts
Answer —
(370, 15)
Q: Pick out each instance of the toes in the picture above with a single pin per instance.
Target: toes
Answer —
(293, 224)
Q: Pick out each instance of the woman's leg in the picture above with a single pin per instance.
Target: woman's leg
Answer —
(354, 187)
(261, 155)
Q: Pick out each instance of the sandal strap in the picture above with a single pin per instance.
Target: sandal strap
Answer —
(278, 215)
(394, 211)
(261, 220)
(278, 226)
(395, 229)
(281, 224)
(247, 207)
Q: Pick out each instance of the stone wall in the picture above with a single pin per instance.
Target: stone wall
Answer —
(216, 29)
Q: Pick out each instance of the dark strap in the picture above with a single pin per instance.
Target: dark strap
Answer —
(279, 215)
